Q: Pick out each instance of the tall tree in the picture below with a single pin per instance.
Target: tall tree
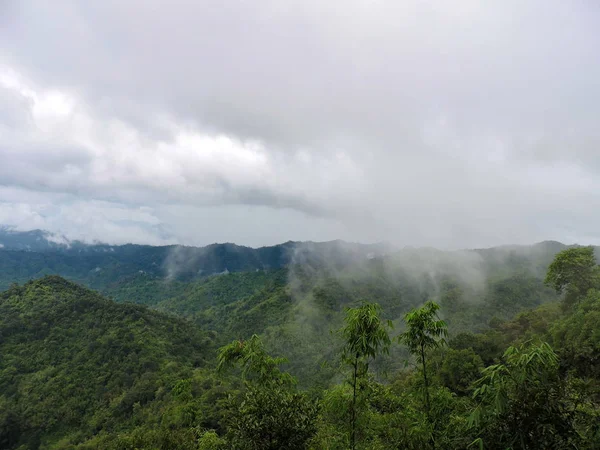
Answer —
(425, 331)
(573, 272)
(272, 414)
(366, 336)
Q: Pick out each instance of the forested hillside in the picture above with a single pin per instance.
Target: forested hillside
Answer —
(74, 363)
(495, 339)
(80, 371)
(293, 294)
(299, 225)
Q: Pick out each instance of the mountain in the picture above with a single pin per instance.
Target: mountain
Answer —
(294, 294)
(28, 255)
(34, 240)
(76, 364)
(212, 282)
(31, 254)
(82, 371)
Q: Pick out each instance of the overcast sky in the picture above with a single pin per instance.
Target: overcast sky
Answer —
(442, 123)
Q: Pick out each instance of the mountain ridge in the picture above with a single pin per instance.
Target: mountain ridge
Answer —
(32, 254)
(13, 239)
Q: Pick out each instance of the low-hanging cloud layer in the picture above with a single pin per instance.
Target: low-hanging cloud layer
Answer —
(450, 124)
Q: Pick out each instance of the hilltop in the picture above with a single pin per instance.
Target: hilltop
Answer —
(75, 363)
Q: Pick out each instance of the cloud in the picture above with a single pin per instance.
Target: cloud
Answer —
(89, 221)
(458, 124)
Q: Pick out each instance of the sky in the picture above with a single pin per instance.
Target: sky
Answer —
(453, 124)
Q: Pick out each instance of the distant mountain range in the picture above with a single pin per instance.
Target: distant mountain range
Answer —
(85, 369)
(174, 261)
(56, 254)
(34, 240)
(293, 293)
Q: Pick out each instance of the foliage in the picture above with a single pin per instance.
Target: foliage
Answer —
(524, 403)
(273, 418)
(393, 417)
(79, 371)
(75, 363)
(210, 440)
(255, 362)
(458, 369)
(577, 337)
(272, 414)
(424, 331)
(573, 272)
(365, 335)
(293, 294)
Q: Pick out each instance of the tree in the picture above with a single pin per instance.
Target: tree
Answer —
(425, 331)
(573, 272)
(209, 440)
(576, 337)
(523, 402)
(366, 336)
(272, 414)
(256, 363)
(458, 369)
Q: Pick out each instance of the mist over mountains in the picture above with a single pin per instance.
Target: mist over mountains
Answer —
(168, 309)
(302, 284)
(88, 260)
(299, 225)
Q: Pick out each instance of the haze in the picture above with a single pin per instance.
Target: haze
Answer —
(450, 124)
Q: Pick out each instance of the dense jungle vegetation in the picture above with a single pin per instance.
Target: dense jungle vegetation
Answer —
(420, 349)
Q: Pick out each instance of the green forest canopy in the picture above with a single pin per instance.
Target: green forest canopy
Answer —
(80, 371)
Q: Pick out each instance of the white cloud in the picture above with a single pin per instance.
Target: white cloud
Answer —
(112, 159)
(455, 124)
(89, 221)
